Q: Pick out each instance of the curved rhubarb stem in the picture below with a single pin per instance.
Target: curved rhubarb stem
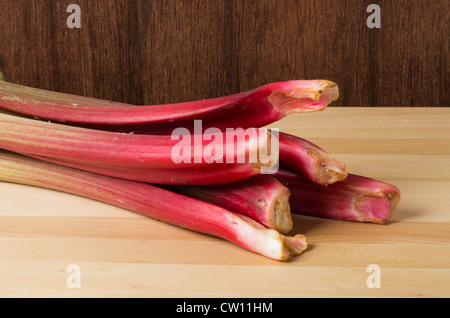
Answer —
(153, 202)
(260, 197)
(255, 108)
(357, 198)
(302, 156)
(146, 158)
(2, 77)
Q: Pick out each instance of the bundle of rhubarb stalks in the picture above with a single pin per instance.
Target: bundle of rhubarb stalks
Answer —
(127, 156)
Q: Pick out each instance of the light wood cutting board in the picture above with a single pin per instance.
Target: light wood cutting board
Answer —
(45, 234)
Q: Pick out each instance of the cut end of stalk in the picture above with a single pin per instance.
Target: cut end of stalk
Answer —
(268, 242)
(326, 175)
(378, 207)
(296, 244)
(280, 213)
(304, 96)
(285, 247)
(329, 170)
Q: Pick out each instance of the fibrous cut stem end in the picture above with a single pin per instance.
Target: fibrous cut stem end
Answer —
(370, 206)
(304, 96)
(280, 213)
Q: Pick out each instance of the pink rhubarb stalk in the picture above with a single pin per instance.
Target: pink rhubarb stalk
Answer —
(304, 157)
(255, 108)
(260, 197)
(357, 198)
(146, 158)
(154, 202)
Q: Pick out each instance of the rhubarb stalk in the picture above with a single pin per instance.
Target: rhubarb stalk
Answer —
(260, 197)
(154, 202)
(357, 198)
(304, 157)
(146, 158)
(255, 108)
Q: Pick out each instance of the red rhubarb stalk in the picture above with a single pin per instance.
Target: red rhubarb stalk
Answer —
(302, 156)
(255, 108)
(260, 197)
(154, 202)
(357, 198)
(146, 158)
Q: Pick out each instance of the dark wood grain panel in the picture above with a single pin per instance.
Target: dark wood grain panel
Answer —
(147, 52)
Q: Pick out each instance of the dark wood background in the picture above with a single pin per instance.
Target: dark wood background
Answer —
(149, 52)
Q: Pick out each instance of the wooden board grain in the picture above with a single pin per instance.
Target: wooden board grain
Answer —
(148, 52)
(123, 254)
